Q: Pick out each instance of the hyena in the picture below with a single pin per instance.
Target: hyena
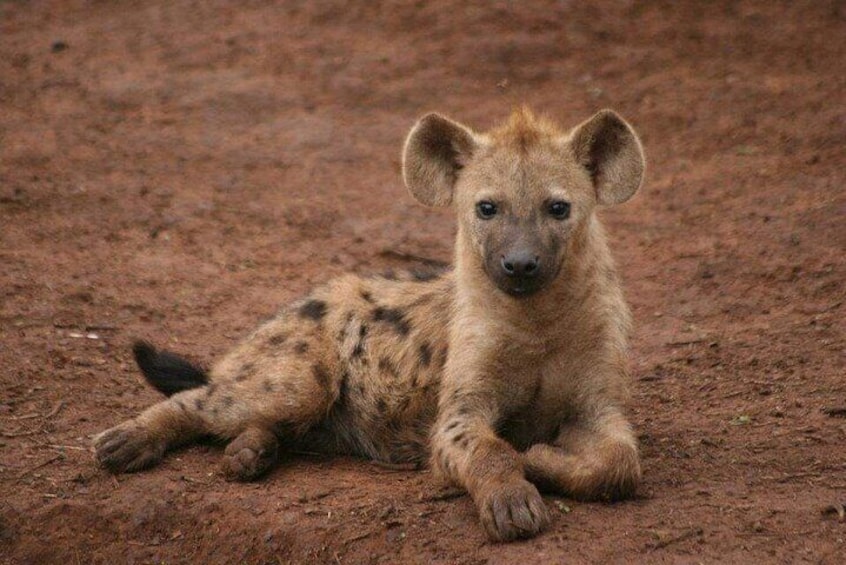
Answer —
(507, 373)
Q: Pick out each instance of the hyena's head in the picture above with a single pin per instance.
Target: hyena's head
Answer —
(523, 192)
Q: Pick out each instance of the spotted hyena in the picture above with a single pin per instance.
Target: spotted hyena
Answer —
(507, 373)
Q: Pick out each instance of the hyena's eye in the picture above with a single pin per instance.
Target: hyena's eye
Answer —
(486, 210)
(559, 210)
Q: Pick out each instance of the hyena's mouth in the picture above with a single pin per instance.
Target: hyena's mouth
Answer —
(521, 291)
(519, 288)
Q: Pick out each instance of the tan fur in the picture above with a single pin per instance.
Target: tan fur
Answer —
(502, 391)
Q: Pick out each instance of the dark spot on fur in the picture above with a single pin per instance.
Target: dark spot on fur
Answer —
(277, 339)
(421, 300)
(386, 366)
(389, 274)
(210, 389)
(536, 393)
(365, 294)
(283, 429)
(424, 275)
(301, 347)
(227, 401)
(345, 327)
(381, 406)
(394, 424)
(464, 411)
(181, 405)
(198, 404)
(344, 393)
(452, 425)
(458, 437)
(245, 372)
(358, 350)
(313, 309)
(393, 316)
(322, 376)
(267, 386)
(425, 354)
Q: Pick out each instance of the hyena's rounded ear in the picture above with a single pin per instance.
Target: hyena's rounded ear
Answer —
(435, 151)
(611, 152)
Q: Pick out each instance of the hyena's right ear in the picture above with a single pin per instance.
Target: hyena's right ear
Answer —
(435, 151)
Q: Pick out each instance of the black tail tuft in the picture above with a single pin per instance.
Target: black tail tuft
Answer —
(167, 372)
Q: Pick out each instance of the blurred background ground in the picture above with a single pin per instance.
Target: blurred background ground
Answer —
(176, 170)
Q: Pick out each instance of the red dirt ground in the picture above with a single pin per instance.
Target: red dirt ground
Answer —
(177, 170)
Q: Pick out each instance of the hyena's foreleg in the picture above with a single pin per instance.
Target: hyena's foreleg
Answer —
(594, 458)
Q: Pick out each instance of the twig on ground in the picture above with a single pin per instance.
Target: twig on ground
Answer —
(447, 494)
(355, 538)
(22, 433)
(395, 466)
(193, 480)
(686, 342)
(39, 466)
(56, 446)
(55, 410)
(685, 535)
(58, 406)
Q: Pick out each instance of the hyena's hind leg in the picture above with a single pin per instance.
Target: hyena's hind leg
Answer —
(250, 398)
(250, 455)
(209, 410)
(268, 402)
(137, 444)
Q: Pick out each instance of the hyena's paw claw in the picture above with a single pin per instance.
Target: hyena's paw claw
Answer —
(514, 511)
(250, 455)
(127, 448)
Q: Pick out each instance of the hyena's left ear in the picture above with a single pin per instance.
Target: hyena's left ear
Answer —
(610, 150)
(435, 151)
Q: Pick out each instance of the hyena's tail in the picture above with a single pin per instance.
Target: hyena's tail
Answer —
(165, 371)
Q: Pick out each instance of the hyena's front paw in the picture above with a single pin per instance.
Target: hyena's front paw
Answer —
(513, 510)
(250, 455)
(126, 448)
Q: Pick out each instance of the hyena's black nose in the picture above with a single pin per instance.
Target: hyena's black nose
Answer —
(520, 264)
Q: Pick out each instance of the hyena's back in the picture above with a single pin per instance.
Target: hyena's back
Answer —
(353, 368)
